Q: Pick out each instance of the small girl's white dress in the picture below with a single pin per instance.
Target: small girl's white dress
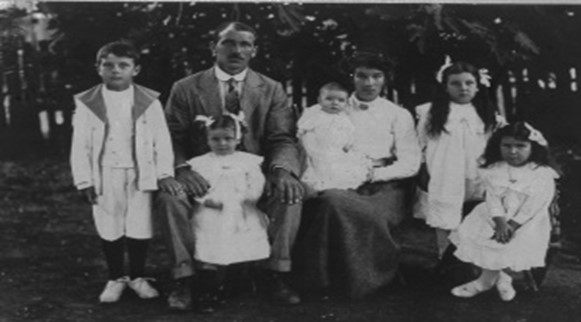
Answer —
(522, 194)
(452, 162)
(237, 232)
(331, 160)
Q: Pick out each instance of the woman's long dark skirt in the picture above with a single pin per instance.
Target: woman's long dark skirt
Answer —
(345, 242)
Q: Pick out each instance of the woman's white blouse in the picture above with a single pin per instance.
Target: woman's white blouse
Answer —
(385, 130)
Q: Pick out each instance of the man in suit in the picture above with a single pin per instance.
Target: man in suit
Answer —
(230, 86)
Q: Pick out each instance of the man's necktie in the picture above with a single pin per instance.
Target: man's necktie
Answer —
(231, 99)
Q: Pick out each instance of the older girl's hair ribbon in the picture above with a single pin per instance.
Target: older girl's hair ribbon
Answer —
(440, 74)
(484, 77)
(536, 135)
(207, 120)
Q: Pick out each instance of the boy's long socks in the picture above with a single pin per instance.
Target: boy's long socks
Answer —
(137, 251)
(114, 255)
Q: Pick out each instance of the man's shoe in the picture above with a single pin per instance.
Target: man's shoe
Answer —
(180, 298)
(142, 288)
(280, 291)
(113, 290)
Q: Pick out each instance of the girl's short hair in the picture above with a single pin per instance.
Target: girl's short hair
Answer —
(440, 109)
(224, 121)
(519, 131)
(119, 49)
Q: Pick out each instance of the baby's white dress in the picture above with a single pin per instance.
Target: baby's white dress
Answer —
(237, 232)
(522, 194)
(331, 160)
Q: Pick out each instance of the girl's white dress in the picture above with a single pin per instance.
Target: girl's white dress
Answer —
(522, 194)
(331, 160)
(237, 232)
(452, 162)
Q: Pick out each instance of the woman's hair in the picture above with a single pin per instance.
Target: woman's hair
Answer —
(119, 49)
(441, 104)
(369, 59)
(519, 131)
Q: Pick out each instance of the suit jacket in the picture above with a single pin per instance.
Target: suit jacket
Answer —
(271, 121)
(151, 142)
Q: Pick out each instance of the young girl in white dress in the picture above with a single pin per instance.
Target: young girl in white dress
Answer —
(452, 131)
(511, 229)
(326, 133)
(228, 227)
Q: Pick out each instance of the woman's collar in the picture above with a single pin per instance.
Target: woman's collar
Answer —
(357, 104)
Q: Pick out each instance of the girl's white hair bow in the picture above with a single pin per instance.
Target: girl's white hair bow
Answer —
(536, 135)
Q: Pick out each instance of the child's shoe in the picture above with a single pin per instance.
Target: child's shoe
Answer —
(504, 287)
(469, 289)
(113, 290)
(143, 289)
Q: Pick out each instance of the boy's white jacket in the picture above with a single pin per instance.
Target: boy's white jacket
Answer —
(152, 144)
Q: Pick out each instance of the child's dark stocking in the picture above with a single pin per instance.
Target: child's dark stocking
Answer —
(114, 255)
(137, 251)
(209, 284)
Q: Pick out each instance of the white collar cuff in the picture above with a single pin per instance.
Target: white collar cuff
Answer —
(224, 77)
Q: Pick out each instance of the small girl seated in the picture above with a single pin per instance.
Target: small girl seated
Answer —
(326, 133)
(228, 227)
(511, 229)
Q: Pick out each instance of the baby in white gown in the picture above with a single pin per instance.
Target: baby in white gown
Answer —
(326, 133)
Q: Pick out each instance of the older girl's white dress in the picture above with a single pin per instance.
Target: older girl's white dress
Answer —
(331, 159)
(522, 194)
(237, 232)
(452, 162)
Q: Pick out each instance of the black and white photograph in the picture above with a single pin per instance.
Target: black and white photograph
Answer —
(266, 161)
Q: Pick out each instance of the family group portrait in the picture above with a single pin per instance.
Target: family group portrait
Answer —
(290, 161)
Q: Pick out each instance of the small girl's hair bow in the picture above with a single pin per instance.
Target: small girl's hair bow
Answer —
(536, 135)
(239, 121)
(207, 120)
(484, 77)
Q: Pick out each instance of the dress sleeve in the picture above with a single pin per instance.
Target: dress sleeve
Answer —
(542, 191)
(254, 179)
(421, 128)
(493, 195)
(406, 150)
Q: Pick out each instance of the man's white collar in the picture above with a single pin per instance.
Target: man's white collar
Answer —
(224, 77)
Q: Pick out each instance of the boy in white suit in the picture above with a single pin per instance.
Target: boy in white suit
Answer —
(121, 152)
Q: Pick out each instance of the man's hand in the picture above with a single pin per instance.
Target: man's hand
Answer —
(281, 183)
(89, 195)
(170, 185)
(192, 182)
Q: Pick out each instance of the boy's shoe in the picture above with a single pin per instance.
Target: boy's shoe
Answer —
(143, 289)
(113, 290)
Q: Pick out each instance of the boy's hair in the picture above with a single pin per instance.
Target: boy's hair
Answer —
(440, 109)
(119, 49)
(235, 25)
(333, 86)
(517, 130)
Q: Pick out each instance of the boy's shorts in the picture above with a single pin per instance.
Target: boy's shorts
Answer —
(122, 210)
